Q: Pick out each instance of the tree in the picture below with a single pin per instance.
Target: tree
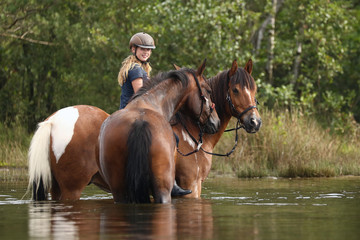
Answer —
(55, 54)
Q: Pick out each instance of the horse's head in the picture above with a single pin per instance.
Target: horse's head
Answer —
(241, 96)
(199, 103)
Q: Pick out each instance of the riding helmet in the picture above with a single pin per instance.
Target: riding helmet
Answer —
(143, 40)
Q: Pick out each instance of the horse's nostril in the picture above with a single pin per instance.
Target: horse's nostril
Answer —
(253, 122)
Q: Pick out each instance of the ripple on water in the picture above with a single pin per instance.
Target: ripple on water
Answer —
(14, 202)
(97, 197)
(330, 195)
(230, 198)
(269, 204)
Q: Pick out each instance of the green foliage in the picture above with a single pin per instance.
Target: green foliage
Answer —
(59, 53)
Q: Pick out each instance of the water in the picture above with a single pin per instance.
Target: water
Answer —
(321, 208)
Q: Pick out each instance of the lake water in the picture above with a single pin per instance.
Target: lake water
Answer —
(230, 208)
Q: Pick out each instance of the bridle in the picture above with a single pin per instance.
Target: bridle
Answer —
(203, 100)
(235, 112)
(239, 123)
(201, 133)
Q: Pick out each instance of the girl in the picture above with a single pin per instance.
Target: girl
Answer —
(135, 69)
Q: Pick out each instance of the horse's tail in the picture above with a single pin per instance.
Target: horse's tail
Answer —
(138, 163)
(39, 162)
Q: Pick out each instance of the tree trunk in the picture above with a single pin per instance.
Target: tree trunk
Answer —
(269, 65)
(297, 60)
(261, 30)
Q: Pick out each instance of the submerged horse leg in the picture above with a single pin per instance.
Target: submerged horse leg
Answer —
(163, 169)
(162, 186)
(61, 193)
(55, 190)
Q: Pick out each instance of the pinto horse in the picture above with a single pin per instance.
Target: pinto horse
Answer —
(234, 96)
(137, 145)
(62, 153)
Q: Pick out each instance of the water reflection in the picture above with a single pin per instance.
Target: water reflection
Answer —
(230, 209)
(91, 218)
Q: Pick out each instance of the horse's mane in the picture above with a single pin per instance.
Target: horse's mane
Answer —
(220, 86)
(175, 75)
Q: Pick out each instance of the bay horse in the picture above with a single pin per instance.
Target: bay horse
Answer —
(137, 145)
(234, 93)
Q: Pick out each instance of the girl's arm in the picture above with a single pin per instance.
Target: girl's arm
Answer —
(137, 84)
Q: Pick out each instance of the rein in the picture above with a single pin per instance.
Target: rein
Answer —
(200, 142)
(238, 126)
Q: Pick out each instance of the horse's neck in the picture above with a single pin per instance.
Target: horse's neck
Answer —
(213, 139)
(165, 102)
(219, 90)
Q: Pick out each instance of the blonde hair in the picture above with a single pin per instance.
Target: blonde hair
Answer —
(128, 64)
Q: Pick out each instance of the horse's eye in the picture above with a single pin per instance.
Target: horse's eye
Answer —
(208, 91)
(257, 102)
(235, 91)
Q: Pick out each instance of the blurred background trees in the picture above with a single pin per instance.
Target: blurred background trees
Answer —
(55, 54)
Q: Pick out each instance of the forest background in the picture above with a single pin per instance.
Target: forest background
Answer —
(306, 58)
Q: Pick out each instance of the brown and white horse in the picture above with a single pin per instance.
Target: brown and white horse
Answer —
(137, 144)
(234, 93)
(62, 153)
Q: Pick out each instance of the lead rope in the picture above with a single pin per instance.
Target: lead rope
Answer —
(238, 126)
(200, 142)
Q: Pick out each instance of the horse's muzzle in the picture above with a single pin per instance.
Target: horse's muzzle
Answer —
(212, 126)
(252, 124)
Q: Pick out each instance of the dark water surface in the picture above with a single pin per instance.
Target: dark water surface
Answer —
(321, 208)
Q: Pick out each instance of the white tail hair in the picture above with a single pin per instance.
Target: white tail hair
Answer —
(39, 157)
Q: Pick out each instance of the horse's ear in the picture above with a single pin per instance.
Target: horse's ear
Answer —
(234, 68)
(201, 68)
(249, 66)
(176, 66)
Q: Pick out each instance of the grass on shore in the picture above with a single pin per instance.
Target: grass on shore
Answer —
(14, 144)
(286, 146)
(289, 146)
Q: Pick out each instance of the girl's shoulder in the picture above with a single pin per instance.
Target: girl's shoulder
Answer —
(135, 66)
(136, 71)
